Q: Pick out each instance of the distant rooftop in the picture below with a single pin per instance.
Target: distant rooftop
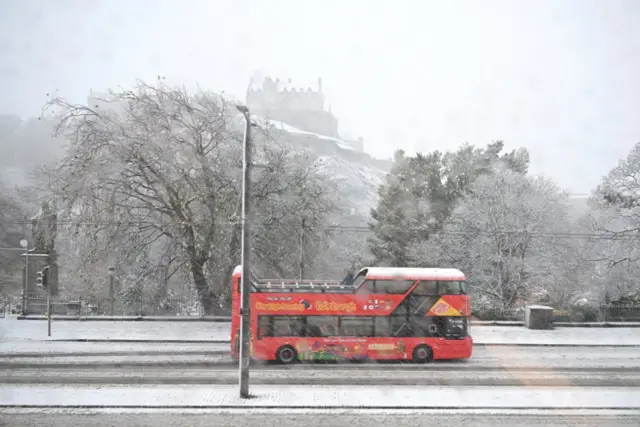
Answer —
(281, 85)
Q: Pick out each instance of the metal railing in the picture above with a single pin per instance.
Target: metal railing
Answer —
(93, 306)
(620, 313)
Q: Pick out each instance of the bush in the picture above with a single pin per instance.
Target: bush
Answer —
(584, 313)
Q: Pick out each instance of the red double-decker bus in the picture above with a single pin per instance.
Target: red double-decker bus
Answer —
(416, 314)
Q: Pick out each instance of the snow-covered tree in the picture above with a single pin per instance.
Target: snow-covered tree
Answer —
(615, 220)
(505, 235)
(151, 183)
(421, 191)
(13, 218)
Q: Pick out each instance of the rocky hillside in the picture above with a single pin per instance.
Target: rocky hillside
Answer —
(357, 173)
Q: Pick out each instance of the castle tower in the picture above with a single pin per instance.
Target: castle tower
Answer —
(297, 106)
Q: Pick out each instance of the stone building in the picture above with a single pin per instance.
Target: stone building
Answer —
(300, 107)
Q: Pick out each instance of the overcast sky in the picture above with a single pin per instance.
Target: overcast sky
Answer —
(558, 77)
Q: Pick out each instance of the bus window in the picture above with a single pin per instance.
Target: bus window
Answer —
(285, 326)
(359, 279)
(463, 288)
(326, 325)
(426, 288)
(381, 326)
(264, 326)
(393, 286)
(422, 326)
(368, 287)
(455, 327)
(386, 287)
(400, 327)
(450, 288)
(356, 326)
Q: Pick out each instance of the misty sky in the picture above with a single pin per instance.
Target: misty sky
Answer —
(558, 77)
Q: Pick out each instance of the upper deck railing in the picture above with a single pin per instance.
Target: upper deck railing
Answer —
(301, 286)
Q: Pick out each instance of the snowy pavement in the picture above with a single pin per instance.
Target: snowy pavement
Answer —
(416, 397)
(12, 329)
(44, 348)
(483, 357)
(317, 418)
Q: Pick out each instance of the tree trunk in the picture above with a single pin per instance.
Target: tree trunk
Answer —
(206, 296)
(234, 252)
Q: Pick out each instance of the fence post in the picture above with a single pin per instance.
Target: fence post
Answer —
(111, 291)
(141, 299)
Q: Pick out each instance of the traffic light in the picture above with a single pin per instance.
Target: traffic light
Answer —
(42, 277)
(45, 277)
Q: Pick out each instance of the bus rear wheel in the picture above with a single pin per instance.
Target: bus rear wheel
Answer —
(422, 354)
(286, 355)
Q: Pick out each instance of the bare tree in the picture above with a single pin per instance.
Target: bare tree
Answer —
(158, 167)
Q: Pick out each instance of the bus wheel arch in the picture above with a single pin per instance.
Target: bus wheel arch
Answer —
(422, 354)
(286, 354)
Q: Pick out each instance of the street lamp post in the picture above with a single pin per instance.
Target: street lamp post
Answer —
(24, 243)
(45, 272)
(245, 324)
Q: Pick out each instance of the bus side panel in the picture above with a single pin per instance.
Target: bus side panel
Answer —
(382, 348)
(444, 349)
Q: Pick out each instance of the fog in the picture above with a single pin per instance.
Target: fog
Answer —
(556, 77)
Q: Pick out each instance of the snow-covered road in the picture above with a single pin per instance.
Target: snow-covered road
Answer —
(319, 418)
(12, 329)
(338, 375)
(504, 358)
(215, 356)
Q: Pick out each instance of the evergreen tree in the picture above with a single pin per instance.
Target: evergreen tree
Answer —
(421, 191)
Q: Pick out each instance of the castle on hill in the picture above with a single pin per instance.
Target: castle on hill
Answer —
(300, 107)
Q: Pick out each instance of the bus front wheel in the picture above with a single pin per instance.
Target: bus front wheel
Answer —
(422, 354)
(286, 355)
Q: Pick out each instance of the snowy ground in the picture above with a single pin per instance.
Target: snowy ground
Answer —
(423, 397)
(12, 329)
(35, 348)
(215, 358)
(320, 418)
